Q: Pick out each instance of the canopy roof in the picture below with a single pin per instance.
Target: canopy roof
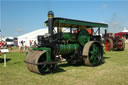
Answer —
(64, 22)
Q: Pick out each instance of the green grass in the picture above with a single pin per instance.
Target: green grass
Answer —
(113, 72)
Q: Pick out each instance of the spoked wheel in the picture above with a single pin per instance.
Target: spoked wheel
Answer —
(108, 44)
(46, 67)
(36, 62)
(92, 53)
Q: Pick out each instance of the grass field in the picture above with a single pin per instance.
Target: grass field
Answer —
(113, 72)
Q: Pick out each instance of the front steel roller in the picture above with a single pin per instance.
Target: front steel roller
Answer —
(92, 53)
(36, 62)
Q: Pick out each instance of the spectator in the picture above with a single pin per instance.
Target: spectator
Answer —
(5, 44)
(24, 47)
(30, 42)
(35, 44)
(20, 47)
(22, 43)
(1, 44)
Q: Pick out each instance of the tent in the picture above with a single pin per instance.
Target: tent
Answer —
(125, 30)
(31, 36)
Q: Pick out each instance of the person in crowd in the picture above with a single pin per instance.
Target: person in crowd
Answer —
(20, 47)
(22, 42)
(1, 44)
(24, 47)
(35, 44)
(5, 44)
(30, 42)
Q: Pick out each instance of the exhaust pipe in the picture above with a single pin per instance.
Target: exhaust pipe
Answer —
(105, 36)
(50, 22)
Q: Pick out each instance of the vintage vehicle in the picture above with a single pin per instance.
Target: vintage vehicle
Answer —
(10, 41)
(114, 42)
(78, 47)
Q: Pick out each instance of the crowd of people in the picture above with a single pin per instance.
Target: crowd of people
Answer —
(23, 45)
(3, 44)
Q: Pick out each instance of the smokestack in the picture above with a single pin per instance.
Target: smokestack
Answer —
(50, 22)
(105, 36)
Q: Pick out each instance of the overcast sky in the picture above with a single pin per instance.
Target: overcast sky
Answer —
(18, 17)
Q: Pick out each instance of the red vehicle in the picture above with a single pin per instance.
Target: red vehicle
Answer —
(114, 42)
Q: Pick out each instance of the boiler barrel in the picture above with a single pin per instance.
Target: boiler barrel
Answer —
(68, 48)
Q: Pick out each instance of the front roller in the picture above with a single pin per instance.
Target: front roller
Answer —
(37, 62)
(92, 53)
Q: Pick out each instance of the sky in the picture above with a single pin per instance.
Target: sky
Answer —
(18, 17)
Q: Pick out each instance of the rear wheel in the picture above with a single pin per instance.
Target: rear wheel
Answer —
(92, 53)
(108, 44)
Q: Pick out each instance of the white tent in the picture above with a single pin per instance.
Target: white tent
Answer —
(125, 36)
(31, 36)
(125, 30)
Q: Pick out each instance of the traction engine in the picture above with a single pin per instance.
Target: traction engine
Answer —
(78, 46)
(114, 42)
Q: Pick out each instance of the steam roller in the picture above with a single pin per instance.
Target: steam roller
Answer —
(69, 39)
